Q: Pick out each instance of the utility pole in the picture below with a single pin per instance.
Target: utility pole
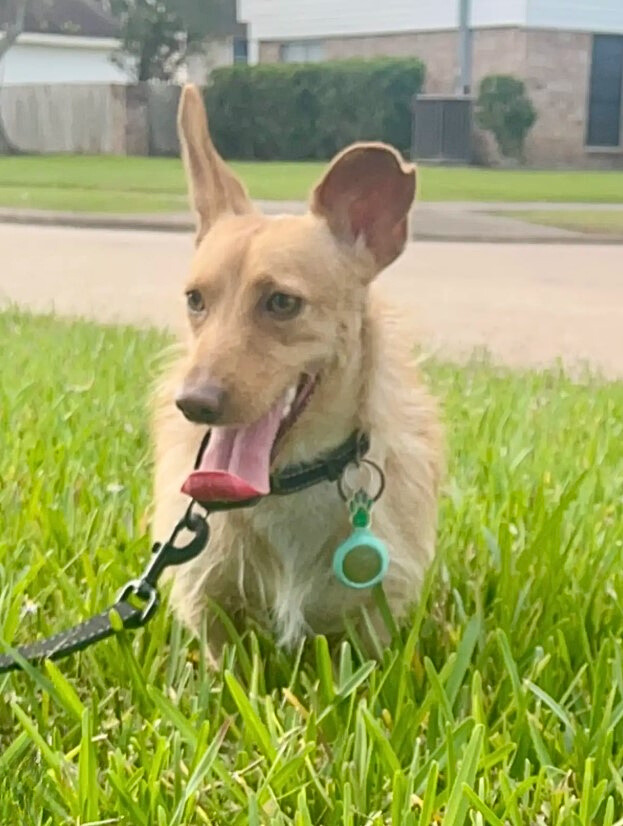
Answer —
(464, 81)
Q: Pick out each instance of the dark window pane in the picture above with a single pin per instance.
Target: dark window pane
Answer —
(240, 50)
(604, 108)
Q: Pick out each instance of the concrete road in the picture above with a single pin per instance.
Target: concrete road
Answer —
(527, 304)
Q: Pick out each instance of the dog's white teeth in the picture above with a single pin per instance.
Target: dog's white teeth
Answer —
(288, 402)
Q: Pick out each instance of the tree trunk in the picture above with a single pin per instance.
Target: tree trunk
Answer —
(15, 29)
(12, 33)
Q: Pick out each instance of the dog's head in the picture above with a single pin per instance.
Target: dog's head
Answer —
(274, 301)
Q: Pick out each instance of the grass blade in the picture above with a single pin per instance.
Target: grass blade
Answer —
(456, 810)
(255, 728)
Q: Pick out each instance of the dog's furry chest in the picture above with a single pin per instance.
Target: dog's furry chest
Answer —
(300, 533)
(297, 526)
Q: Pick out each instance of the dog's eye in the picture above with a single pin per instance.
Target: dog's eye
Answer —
(282, 305)
(195, 301)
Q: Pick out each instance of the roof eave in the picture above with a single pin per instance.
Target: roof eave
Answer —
(76, 41)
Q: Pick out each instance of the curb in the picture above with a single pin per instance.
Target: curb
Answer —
(79, 220)
(576, 239)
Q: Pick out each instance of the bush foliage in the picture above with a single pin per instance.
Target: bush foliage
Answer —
(505, 109)
(311, 110)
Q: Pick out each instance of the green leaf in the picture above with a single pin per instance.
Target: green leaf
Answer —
(88, 789)
(198, 776)
(257, 732)
(65, 692)
(456, 810)
(430, 795)
(481, 807)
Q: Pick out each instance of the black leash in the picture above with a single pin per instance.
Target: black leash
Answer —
(139, 598)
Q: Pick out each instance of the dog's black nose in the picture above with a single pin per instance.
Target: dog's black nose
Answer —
(201, 403)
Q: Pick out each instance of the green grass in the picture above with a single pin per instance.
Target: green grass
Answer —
(473, 184)
(91, 200)
(120, 184)
(596, 221)
(502, 703)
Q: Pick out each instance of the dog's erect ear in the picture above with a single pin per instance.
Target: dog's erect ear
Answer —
(368, 191)
(214, 189)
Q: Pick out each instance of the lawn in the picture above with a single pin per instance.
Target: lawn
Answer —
(120, 184)
(596, 221)
(502, 703)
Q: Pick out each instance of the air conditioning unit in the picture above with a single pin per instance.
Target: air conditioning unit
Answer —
(442, 129)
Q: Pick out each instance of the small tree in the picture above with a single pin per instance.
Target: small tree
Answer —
(504, 108)
(157, 35)
(153, 41)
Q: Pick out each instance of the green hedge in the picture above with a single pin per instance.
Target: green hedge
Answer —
(280, 111)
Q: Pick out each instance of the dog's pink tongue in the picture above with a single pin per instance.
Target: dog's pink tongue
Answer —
(236, 463)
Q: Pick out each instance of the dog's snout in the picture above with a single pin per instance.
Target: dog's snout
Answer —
(201, 402)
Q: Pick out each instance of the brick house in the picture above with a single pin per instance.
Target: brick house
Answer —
(569, 53)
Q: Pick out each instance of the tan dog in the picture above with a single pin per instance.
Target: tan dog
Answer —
(281, 307)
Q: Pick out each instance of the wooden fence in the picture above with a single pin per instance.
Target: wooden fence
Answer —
(90, 119)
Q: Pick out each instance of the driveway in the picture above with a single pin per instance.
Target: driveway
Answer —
(527, 304)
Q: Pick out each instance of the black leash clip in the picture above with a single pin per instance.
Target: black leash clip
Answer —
(143, 590)
(165, 555)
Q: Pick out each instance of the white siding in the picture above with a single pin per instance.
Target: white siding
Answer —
(277, 19)
(295, 19)
(580, 15)
(499, 12)
(30, 63)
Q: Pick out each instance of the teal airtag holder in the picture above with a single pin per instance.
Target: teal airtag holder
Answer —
(362, 560)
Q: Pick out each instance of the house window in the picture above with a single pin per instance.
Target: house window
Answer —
(241, 50)
(606, 91)
(302, 51)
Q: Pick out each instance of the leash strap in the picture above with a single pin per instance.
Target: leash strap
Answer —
(139, 598)
(74, 639)
(135, 604)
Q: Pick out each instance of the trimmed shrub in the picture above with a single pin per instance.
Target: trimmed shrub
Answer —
(284, 111)
(505, 109)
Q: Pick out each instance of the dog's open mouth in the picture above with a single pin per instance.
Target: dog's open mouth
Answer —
(235, 465)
